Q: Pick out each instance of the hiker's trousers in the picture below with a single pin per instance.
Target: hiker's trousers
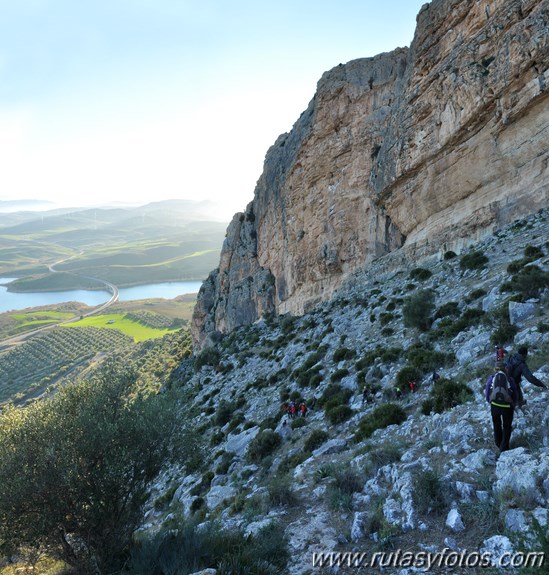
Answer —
(502, 420)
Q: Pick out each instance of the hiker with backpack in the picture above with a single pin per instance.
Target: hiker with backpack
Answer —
(517, 368)
(501, 394)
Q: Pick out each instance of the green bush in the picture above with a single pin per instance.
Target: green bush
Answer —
(69, 462)
(338, 413)
(420, 274)
(335, 393)
(450, 255)
(530, 281)
(290, 462)
(382, 416)
(224, 413)
(263, 444)
(473, 261)
(339, 374)
(316, 438)
(503, 331)
(475, 294)
(406, 374)
(280, 491)
(299, 422)
(426, 359)
(418, 309)
(450, 308)
(208, 356)
(385, 318)
(533, 253)
(182, 548)
(343, 353)
(429, 494)
(446, 394)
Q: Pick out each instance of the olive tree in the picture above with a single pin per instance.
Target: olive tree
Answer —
(75, 468)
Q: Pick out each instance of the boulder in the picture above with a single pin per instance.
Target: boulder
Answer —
(238, 443)
(454, 521)
(496, 547)
(218, 494)
(520, 313)
(515, 521)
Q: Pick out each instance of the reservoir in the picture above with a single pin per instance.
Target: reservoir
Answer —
(168, 290)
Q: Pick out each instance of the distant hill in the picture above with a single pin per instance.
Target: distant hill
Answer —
(7, 206)
(162, 241)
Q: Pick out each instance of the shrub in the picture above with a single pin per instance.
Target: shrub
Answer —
(530, 281)
(224, 413)
(68, 462)
(386, 317)
(475, 294)
(335, 394)
(343, 353)
(263, 444)
(339, 374)
(446, 394)
(450, 255)
(503, 330)
(183, 548)
(280, 491)
(316, 438)
(299, 422)
(381, 455)
(428, 494)
(533, 253)
(208, 356)
(382, 416)
(290, 462)
(406, 374)
(473, 261)
(338, 413)
(450, 308)
(418, 308)
(425, 359)
(420, 274)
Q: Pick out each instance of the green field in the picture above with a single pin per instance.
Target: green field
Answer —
(16, 323)
(117, 321)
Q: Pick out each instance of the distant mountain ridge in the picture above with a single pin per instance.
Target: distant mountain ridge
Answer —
(417, 151)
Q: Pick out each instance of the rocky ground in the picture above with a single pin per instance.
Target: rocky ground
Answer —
(434, 481)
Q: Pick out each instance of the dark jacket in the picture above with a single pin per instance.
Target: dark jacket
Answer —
(517, 368)
(512, 389)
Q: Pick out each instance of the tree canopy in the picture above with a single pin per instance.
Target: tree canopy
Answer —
(75, 468)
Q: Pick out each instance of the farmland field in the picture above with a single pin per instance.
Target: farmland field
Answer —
(120, 322)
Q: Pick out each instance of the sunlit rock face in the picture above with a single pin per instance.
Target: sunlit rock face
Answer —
(419, 150)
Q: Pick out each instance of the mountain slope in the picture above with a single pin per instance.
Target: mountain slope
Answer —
(430, 482)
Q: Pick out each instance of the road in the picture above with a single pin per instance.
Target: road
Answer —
(5, 343)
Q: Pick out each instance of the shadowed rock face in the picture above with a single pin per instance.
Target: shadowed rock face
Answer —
(421, 149)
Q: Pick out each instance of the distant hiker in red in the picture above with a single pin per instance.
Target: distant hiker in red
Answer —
(500, 353)
(412, 385)
(303, 410)
(293, 410)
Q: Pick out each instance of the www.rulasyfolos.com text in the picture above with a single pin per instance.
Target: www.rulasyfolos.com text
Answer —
(427, 560)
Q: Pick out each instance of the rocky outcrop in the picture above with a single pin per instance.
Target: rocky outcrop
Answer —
(421, 149)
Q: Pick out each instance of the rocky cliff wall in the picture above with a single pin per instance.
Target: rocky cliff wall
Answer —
(420, 149)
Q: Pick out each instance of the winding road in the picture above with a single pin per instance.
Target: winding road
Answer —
(51, 267)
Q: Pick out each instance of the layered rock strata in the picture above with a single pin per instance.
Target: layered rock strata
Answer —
(420, 149)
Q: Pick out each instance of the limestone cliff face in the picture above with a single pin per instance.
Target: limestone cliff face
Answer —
(420, 149)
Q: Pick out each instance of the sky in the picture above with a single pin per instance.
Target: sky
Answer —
(142, 100)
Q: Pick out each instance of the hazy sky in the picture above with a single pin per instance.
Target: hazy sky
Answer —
(142, 100)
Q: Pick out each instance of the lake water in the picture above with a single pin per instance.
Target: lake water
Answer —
(167, 290)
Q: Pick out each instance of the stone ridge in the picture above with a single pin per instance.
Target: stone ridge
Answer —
(418, 150)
